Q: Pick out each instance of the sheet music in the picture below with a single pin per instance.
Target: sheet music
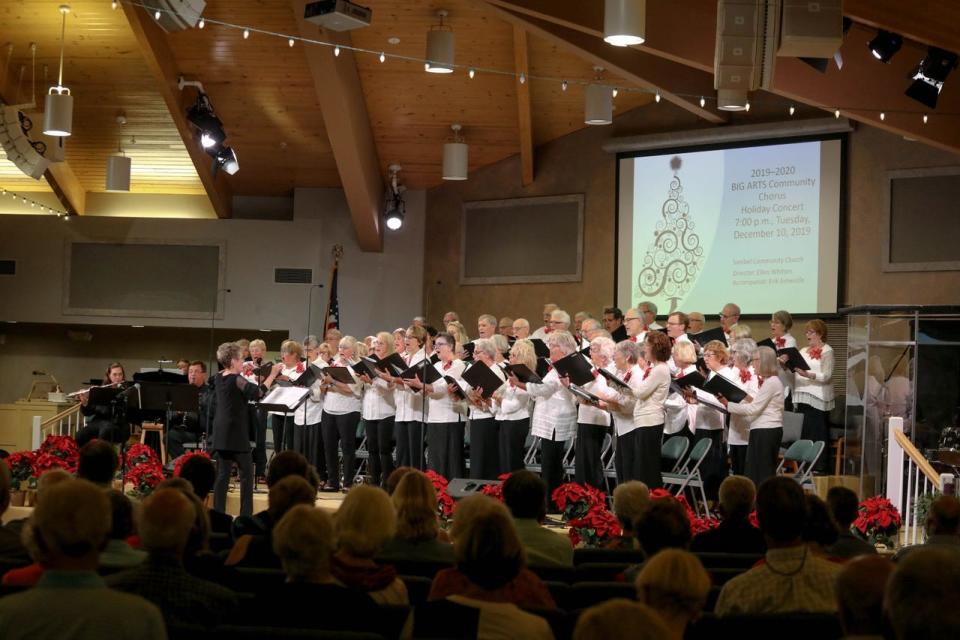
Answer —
(709, 399)
(290, 397)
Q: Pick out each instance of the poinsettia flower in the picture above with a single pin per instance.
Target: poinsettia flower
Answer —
(178, 463)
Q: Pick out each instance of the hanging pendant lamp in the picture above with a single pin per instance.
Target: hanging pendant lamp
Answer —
(58, 106)
(624, 22)
(455, 156)
(440, 47)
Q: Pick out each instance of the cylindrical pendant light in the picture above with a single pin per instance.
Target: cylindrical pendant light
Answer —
(455, 156)
(624, 22)
(58, 106)
(732, 100)
(118, 172)
(598, 105)
(440, 47)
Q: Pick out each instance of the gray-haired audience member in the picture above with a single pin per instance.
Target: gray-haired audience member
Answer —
(943, 527)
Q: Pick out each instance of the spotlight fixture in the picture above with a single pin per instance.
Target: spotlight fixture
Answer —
(58, 105)
(226, 159)
(930, 75)
(624, 22)
(440, 46)
(597, 102)
(201, 116)
(455, 156)
(395, 207)
(885, 45)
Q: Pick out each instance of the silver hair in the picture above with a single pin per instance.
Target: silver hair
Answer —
(632, 351)
(649, 305)
(311, 342)
(561, 315)
(563, 341)
(605, 346)
(489, 319)
(485, 345)
(742, 351)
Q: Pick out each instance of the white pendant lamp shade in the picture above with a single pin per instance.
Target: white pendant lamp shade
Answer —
(58, 113)
(731, 100)
(118, 173)
(598, 105)
(455, 157)
(624, 22)
(440, 47)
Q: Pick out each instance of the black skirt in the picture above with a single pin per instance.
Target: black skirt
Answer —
(762, 453)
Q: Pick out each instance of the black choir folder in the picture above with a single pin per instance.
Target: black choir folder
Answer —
(367, 366)
(575, 367)
(692, 379)
(540, 347)
(718, 385)
(716, 333)
(340, 374)
(480, 376)
(618, 383)
(523, 373)
(795, 359)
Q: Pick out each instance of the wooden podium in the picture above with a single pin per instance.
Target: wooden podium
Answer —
(16, 421)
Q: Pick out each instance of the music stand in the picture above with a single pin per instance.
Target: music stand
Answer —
(169, 398)
(119, 400)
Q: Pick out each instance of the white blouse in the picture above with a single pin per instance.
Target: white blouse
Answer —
(441, 405)
(786, 376)
(765, 411)
(817, 391)
(409, 402)
(651, 393)
(378, 400)
(477, 413)
(555, 411)
(739, 433)
(623, 417)
(677, 409)
(337, 403)
(588, 414)
(311, 410)
(292, 374)
(513, 403)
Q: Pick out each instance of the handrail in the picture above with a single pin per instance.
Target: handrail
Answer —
(918, 459)
(60, 416)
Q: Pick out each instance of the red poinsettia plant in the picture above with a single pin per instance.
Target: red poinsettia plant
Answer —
(21, 467)
(444, 501)
(178, 463)
(495, 490)
(575, 500)
(594, 529)
(46, 461)
(698, 524)
(144, 478)
(139, 454)
(63, 448)
(878, 521)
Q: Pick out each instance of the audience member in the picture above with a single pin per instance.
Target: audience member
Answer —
(664, 525)
(524, 589)
(283, 464)
(792, 578)
(922, 595)
(29, 575)
(675, 585)
(630, 500)
(98, 463)
(166, 520)
(118, 554)
(844, 506)
(943, 527)
(71, 602)
(365, 522)
(819, 530)
(257, 550)
(418, 527)
(620, 618)
(12, 551)
(734, 534)
(860, 587)
(525, 494)
(201, 473)
(394, 478)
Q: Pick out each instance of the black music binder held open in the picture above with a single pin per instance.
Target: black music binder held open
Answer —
(575, 367)
(718, 385)
(482, 378)
(523, 373)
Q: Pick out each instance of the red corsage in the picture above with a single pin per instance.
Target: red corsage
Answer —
(816, 352)
(646, 372)
(300, 367)
(626, 378)
(745, 375)
(781, 342)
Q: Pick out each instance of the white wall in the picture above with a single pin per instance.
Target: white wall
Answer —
(377, 290)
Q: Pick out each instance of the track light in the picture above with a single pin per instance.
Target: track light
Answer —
(563, 85)
(226, 159)
(930, 75)
(440, 46)
(885, 45)
(395, 207)
(624, 22)
(201, 116)
(883, 116)
(455, 156)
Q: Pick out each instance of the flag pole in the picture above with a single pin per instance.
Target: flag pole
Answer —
(337, 253)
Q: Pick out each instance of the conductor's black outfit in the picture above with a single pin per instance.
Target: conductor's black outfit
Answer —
(232, 434)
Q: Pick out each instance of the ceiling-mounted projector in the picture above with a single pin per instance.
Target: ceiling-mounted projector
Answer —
(176, 15)
(337, 15)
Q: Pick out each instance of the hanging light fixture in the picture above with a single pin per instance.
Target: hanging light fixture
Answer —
(455, 156)
(118, 165)
(624, 22)
(732, 100)
(58, 106)
(598, 102)
(440, 46)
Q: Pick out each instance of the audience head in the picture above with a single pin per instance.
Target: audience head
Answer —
(737, 497)
(286, 493)
(121, 515)
(860, 588)
(395, 477)
(98, 462)
(304, 541)
(675, 584)
(525, 494)
(663, 525)
(70, 525)
(200, 472)
(50, 479)
(630, 500)
(781, 511)
(944, 516)
(199, 540)
(486, 547)
(365, 521)
(819, 527)
(921, 598)
(166, 520)
(415, 501)
(286, 463)
(844, 506)
(612, 618)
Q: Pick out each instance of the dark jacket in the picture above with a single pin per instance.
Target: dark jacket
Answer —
(231, 418)
(731, 536)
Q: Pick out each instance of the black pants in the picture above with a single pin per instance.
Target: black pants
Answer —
(551, 464)
(225, 462)
(416, 443)
(640, 451)
(513, 437)
(445, 448)
(714, 469)
(762, 453)
(103, 430)
(484, 448)
(308, 442)
(177, 437)
(738, 459)
(400, 435)
(259, 421)
(342, 428)
(815, 427)
(282, 432)
(380, 448)
(589, 466)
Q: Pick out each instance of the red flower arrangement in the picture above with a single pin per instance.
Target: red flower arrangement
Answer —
(21, 467)
(595, 528)
(178, 463)
(139, 454)
(63, 448)
(576, 500)
(444, 501)
(46, 461)
(698, 524)
(877, 522)
(144, 478)
(495, 490)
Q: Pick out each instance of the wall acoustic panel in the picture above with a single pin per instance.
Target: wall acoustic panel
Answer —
(923, 220)
(522, 240)
(143, 278)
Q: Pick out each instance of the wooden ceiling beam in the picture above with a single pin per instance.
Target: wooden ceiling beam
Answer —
(160, 60)
(344, 112)
(524, 121)
(934, 24)
(673, 80)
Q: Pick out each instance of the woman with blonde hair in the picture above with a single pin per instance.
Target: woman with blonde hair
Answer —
(613, 617)
(813, 389)
(284, 436)
(341, 414)
(674, 583)
(418, 537)
(379, 409)
(513, 410)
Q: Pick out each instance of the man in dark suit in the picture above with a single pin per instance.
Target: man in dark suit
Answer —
(613, 322)
(735, 533)
(188, 428)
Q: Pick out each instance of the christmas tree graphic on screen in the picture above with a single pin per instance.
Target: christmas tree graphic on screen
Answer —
(672, 259)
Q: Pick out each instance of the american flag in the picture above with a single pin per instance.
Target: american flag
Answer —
(333, 304)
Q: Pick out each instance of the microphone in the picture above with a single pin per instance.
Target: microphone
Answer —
(123, 394)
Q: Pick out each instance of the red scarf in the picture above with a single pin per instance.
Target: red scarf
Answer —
(745, 375)
(816, 352)
(626, 378)
(781, 342)
(646, 372)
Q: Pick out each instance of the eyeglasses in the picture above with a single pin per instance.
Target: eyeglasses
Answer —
(440, 344)
(709, 354)
(629, 319)
(674, 324)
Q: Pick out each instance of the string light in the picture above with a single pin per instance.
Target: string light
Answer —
(113, 5)
(472, 72)
(156, 16)
(383, 57)
(246, 34)
(34, 204)
(747, 107)
(656, 98)
(563, 85)
(523, 77)
(883, 116)
(614, 92)
(202, 23)
(793, 109)
(925, 118)
(836, 114)
(336, 52)
(291, 42)
(703, 101)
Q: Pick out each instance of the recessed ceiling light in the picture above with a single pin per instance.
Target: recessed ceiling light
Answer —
(393, 40)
